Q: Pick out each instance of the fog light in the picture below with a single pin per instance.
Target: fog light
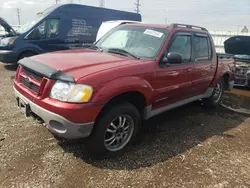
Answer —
(57, 126)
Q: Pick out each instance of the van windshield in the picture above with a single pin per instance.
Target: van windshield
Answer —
(139, 41)
(24, 28)
(2, 31)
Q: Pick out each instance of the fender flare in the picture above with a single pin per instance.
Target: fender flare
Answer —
(122, 85)
(34, 50)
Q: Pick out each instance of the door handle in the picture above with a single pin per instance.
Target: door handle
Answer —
(189, 69)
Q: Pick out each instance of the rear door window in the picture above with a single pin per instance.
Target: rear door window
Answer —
(202, 48)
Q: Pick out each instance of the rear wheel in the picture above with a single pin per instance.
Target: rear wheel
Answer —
(114, 131)
(217, 95)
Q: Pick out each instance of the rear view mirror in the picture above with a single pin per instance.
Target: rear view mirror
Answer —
(174, 58)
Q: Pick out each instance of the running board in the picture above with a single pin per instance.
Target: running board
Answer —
(148, 113)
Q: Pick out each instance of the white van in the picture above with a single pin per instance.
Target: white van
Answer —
(108, 25)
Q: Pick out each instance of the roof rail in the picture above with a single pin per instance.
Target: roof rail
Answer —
(175, 25)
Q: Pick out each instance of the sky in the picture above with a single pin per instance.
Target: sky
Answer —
(228, 15)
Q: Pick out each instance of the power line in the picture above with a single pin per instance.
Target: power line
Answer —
(102, 3)
(18, 16)
(137, 6)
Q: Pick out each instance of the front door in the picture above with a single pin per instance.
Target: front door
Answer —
(46, 36)
(173, 82)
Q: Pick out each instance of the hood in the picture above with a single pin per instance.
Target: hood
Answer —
(7, 27)
(238, 45)
(81, 63)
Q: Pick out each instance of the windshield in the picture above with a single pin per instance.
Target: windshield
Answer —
(29, 25)
(2, 31)
(141, 41)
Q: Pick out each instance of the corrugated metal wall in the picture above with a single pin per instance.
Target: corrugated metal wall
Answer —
(220, 36)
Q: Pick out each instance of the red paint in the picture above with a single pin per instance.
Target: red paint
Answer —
(111, 75)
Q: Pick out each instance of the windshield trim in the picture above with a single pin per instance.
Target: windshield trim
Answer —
(146, 27)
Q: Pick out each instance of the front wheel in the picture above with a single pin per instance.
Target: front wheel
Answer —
(114, 131)
(26, 54)
(217, 95)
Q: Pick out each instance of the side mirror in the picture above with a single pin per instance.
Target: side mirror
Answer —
(174, 58)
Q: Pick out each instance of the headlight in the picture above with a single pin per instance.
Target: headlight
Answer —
(7, 41)
(70, 92)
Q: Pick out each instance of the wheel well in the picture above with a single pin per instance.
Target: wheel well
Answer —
(27, 52)
(133, 97)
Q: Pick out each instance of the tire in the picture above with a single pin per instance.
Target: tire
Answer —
(217, 96)
(103, 142)
(26, 54)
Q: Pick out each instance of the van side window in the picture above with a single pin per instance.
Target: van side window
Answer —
(202, 48)
(52, 28)
(47, 29)
(182, 45)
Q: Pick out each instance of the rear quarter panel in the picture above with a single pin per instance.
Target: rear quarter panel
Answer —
(226, 66)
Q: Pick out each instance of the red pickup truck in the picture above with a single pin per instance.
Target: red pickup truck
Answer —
(132, 73)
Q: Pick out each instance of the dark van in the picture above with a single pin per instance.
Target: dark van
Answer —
(59, 27)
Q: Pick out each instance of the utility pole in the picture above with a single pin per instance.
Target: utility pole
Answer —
(137, 6)
(18, 16)
(102, 3)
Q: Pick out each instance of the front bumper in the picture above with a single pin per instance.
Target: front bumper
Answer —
(242, 81)
(56, 123)
(8, 56)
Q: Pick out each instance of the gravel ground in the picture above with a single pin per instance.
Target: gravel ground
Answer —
(187, 147)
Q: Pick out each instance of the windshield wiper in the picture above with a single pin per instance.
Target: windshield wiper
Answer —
(94, 47)
(122, 52)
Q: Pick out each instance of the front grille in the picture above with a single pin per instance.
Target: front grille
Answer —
(241, 71)
(32, 74)
(240, 76)
(29, 85)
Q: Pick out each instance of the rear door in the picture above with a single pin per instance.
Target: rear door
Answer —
(173, 83)
(204, 63)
